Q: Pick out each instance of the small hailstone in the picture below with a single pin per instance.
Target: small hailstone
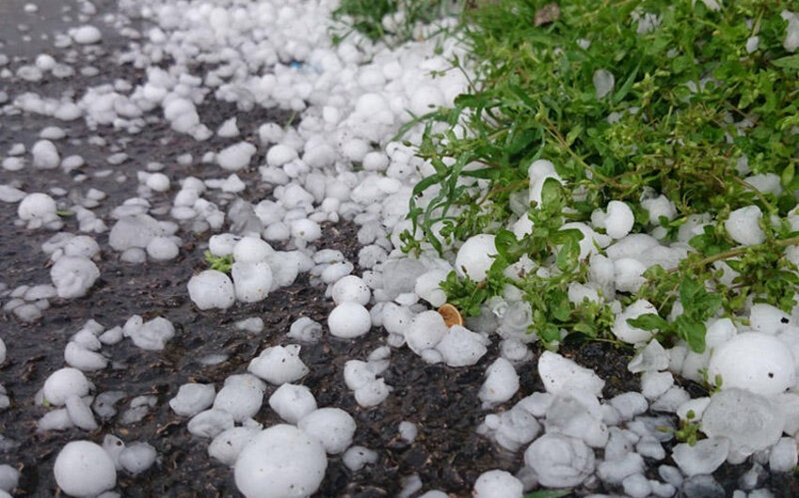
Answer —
(703, 457)
(408, 431)
(152, 335)
(241, 399)
(9, 477)
(211, 289)
(306, 230)
(349, 320)
(619, 220)
(743, 226)
(37, 209)
(210, 423)
(626, 332)
(2, 351)
(251, 281)
(86, 35)
(500, 385)
(560, 461)
(236, 156)
(372, 394)
(137, 457)
(292, 402)
(351, 288)
(228, 128)
(73, 276)
(253, 324)
(192, 398)
(251, 250)
(333, 427)
(425, 331)
(83, 468)
(475, 256)
(427, 287)
(497, 484)
(654, 384)
(461, 347)
(227, 445)
(562, 375)
(63, 383)
(45, 155)
(280, 461)
(603, 82)
(78, 356)
(305, 330)
(79, 413)
(162, 249)
(783, 456)
(280, 154)
(356, 457)
(279, 364)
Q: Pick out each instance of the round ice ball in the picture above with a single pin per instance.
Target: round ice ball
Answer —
(351, 289)
(498, 484)
(757, 362)
(332, 426)
(475, 256)
(63, 383)
(36, 205)
(83, 468)
(281, 461)
(348, 320)
(211, 289)
(251, 250)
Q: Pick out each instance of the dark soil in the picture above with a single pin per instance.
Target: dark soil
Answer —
(441, 401)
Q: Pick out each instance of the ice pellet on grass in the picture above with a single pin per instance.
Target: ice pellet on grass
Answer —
(333, 427)
(561, 375)
(280, 461)
(743, 226)
(652, 357)
(349, 320)
(500, 385)
(560, 461)
(192, 398)
(83, 468)
(476, 256)
(292, 402)
(64, 383)
(279, 364)
(626, 332)
(703, 457)
(211, 289)
(497, 484)
(427, 287)
(753, 361)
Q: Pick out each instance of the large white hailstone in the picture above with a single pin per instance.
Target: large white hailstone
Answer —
(236, 157)
(137, 457)
(281, 461)
(428, 287)
(86, 35)
(619, 219)
(292, 402)
(45, 155)
(426, 99)
(743, 225)
(425, 331)
(561, 375)
(476, 256)
(754, 361)
(560, 461)
(333, 427)
(63, 383)
(162, 249)
(750, 421)
(73, 276)
(349, 320)
(211, 289)
(279, 364)
(500, 385)
(626, 332)
(497, 484)
(83, 468)
(251, 281)
(240, 399)
(351, 288)
(37, 209)
(461, 347)
(252, 250)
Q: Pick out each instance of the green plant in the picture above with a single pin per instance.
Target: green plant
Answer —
(219, 263)
(690, 430)
(691, 115)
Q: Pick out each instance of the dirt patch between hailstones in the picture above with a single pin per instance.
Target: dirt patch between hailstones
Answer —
(447, 454)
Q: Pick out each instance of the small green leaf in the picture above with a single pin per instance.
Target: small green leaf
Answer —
(551, 194)
(568, 256)
(649, 321)
(789, 62)
(787, 175)
(549, 493)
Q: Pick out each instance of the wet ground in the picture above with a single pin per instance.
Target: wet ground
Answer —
(441, 401)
